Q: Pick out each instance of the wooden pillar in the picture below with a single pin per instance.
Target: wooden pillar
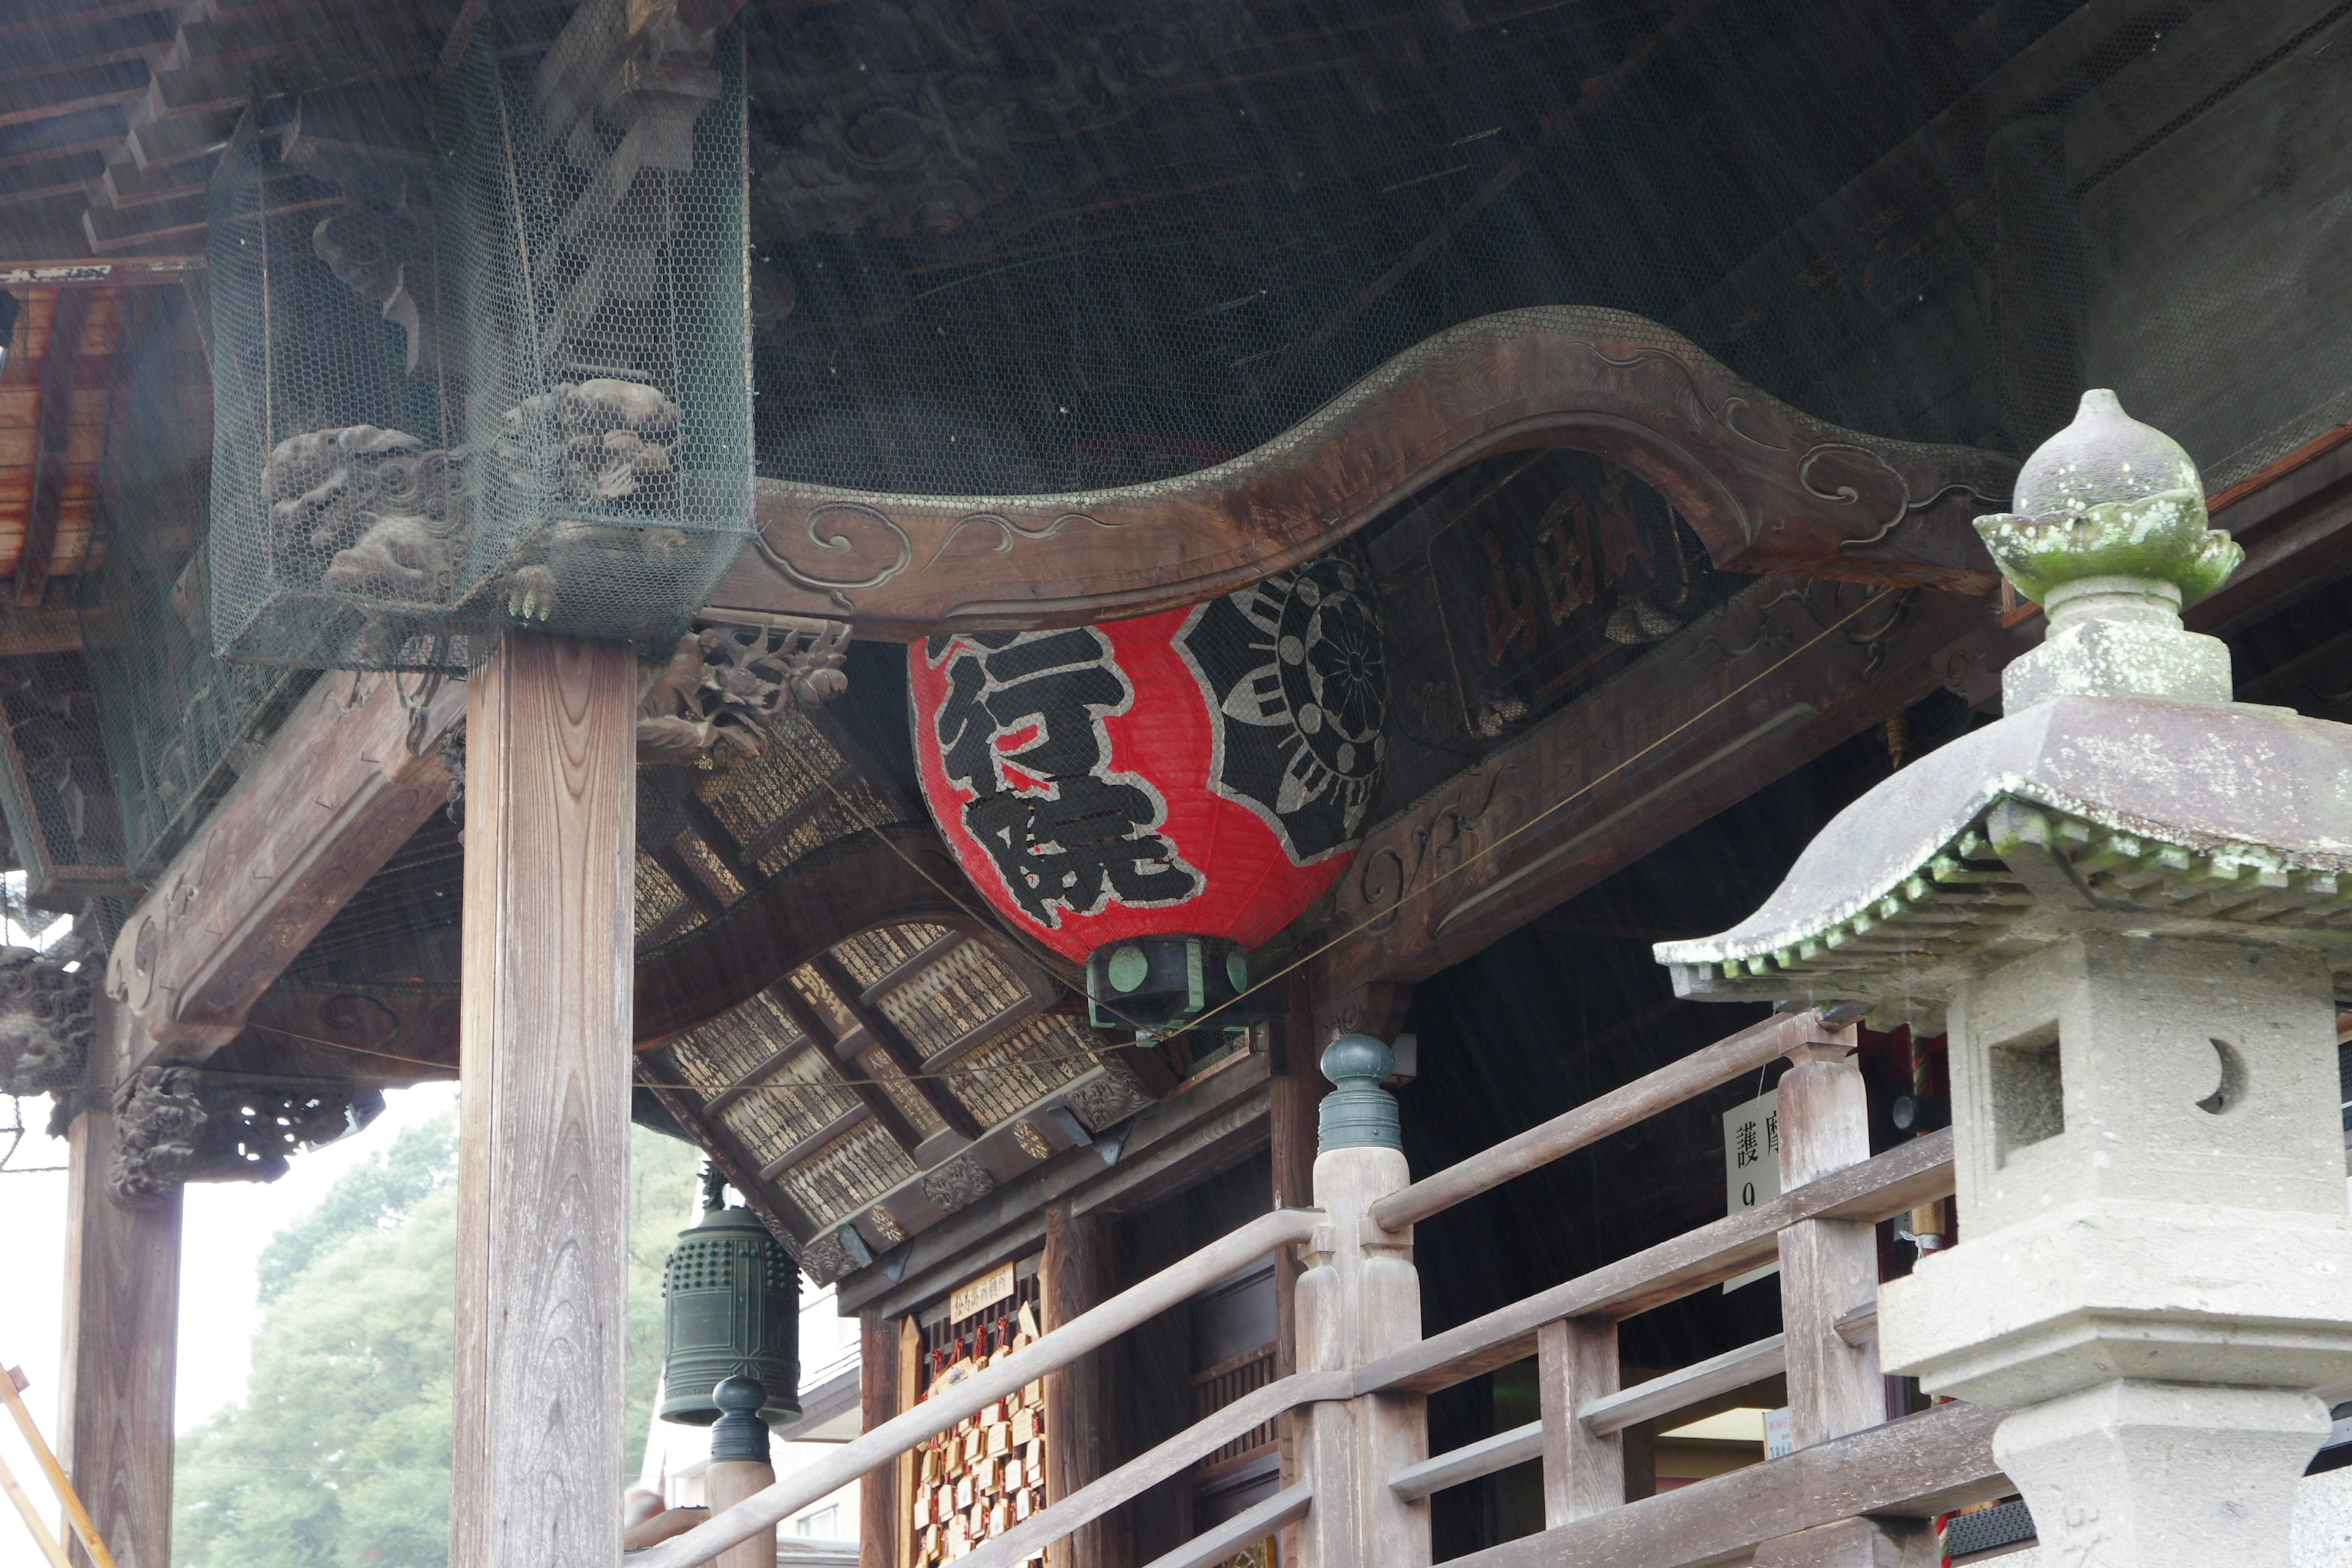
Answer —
(544, 1120)
(881, 1500)
(122, 1335)
(1078, 1274)
(1576, 1364)
(1828, 1268)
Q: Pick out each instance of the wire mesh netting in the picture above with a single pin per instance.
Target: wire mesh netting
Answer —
(482, 361)
(1027, 248)
(178, 722)
(55, 789)
(338, 502)
(600, 243)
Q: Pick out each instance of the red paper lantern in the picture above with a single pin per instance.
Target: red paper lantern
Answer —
(1159, 795)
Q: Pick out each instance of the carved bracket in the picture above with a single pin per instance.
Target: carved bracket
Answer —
(176, 1124)
(46, 1025)
(1767, 489)
(349, 776)
(720, 687)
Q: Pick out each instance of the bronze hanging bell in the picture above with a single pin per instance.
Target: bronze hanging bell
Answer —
(731, 1308)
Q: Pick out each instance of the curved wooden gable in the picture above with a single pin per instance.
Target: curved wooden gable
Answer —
(1766, 487)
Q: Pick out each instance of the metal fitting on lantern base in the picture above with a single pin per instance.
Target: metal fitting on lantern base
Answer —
(1150, 982)
(1357, 1113)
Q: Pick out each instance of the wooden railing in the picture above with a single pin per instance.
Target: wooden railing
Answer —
(1223, 1383)
(1089, 1331)
(1364, 1473)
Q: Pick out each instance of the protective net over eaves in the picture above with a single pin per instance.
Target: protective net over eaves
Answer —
(482, 361)
(178, 722)
(1027, 248)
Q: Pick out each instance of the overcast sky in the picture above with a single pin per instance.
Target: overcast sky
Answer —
(227, 1224)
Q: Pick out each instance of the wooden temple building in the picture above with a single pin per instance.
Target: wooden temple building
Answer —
(937, 598)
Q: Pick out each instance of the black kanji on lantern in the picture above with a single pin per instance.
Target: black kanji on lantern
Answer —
(1021, 727)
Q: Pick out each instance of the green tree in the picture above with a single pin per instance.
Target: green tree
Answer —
(376, 1196)
(339, 1456)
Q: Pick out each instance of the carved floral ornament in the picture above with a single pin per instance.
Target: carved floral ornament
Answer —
(722, 686)
(175, 1124)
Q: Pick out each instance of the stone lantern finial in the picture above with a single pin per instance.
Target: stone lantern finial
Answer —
(2110, 538)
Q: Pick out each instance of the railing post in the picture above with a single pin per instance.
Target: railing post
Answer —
(740, 1466)
(1359, 1298)
(1576, 1364)
(1828, 1267)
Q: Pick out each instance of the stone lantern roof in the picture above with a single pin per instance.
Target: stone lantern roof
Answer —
(2124, 792)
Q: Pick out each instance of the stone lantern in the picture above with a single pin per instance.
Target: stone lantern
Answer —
(2130, 902)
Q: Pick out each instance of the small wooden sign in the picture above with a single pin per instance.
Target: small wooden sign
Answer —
(971, 1299)
(1751, 1166)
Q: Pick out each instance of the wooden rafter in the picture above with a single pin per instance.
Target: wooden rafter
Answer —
(52, 418)
(679, 869)
(877, 1102)
(892, 875)
(903, 1055)
(815, 1141)
(742, 1172)
(776, 1062)
(719, 841)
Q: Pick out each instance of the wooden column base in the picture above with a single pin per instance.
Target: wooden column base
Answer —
(729, 1482)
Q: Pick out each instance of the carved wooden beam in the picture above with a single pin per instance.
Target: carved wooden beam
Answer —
(1747, 692)
(1767, 487)
(376, 1033)
(349, 776)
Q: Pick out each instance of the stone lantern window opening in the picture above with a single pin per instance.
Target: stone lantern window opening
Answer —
(2029, 1090)
(2231, 1091)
